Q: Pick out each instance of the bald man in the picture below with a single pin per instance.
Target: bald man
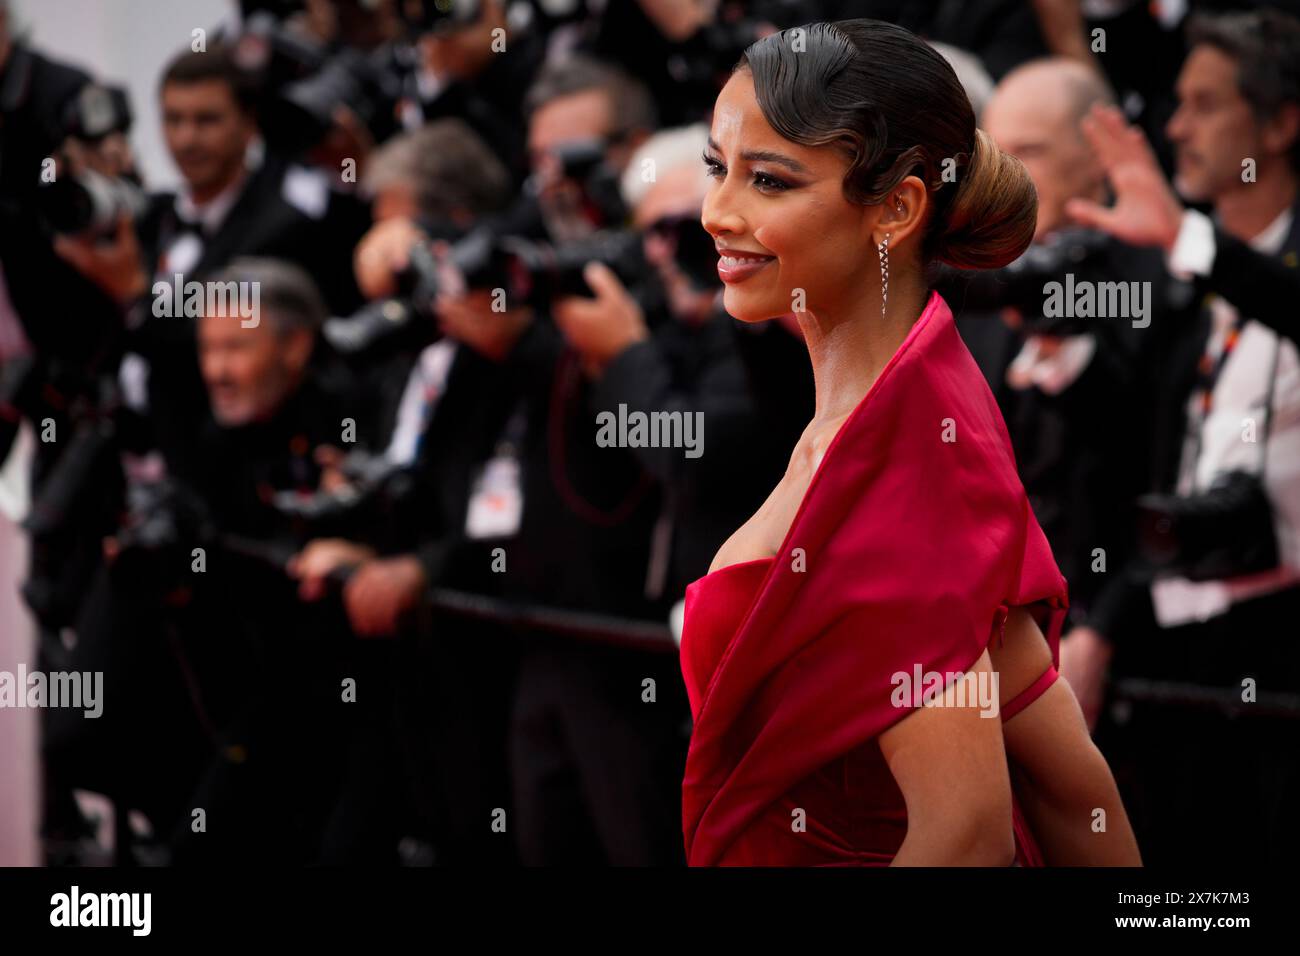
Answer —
(1035, 115)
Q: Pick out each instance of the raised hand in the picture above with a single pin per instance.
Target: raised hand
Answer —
(1146, 211)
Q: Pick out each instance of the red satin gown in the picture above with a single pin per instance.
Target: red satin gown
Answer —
(913, 540)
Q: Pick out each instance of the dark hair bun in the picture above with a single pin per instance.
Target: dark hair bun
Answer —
(991, 219)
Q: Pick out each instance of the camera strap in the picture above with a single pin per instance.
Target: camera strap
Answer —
(1268, 403)
(1209, 369)
(1208, 373)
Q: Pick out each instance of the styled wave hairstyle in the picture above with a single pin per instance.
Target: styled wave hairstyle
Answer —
(896, 106)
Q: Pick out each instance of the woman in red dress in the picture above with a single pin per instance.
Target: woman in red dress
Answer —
(853, 638)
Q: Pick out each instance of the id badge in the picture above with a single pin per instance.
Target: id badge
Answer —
(496, 502)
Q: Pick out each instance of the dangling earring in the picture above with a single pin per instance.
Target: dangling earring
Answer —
(884, 273)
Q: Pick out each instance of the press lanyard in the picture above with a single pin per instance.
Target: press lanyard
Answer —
(1209, 370)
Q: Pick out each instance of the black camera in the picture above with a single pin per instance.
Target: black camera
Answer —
(400, 323)
(304, 83)
(359, 81)
(89, 202)
(438, 16)
(1020, 284)
(583, 162)
(703, 60)
(526, 271)
(1223, 532)
(375, 489)
(270, 55)
(694, 250)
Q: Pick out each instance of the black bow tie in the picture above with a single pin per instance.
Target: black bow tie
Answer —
(191, 226)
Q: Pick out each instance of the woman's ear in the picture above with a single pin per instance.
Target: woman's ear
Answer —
(902, 212)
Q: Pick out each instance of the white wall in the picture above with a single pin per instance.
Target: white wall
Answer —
(126, 42)
(19, 776)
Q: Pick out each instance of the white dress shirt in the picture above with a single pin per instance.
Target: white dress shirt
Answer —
(424, 389)
(184, 252)
(1226, 444)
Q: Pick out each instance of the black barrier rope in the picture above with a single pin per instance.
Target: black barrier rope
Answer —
(599, 628)
(583, 625)
(1226, 699)
(653, 636)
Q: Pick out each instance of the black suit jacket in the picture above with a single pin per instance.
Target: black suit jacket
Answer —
(1264, 287)
(265, 222)
(716, 370)
(460, 436)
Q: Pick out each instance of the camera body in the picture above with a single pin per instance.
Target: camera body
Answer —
(1083, 252)
(85, 201)
(527, 271)
(1225, 531)
(90, 203)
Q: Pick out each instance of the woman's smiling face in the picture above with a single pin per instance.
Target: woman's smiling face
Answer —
(777, 213)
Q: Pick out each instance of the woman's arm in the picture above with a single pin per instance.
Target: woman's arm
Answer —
(1065, 787)
(950, 763)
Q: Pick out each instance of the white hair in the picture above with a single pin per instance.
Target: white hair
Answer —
(662, 153)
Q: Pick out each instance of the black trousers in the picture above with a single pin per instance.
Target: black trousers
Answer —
(420, 753)
(454, 685)
(1203, 784)
(149, 746)
(304, 772)
(597, 770)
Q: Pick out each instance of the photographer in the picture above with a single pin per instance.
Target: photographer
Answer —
(593, 765)
(538, 482)
(471, 66)
(440, 409)
(273, 409)
(690, 360)
(585, 118)
(228, 686)
(682, 49)
(437, 182)
(71, 334)
(1219, 568)
(64, 167)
